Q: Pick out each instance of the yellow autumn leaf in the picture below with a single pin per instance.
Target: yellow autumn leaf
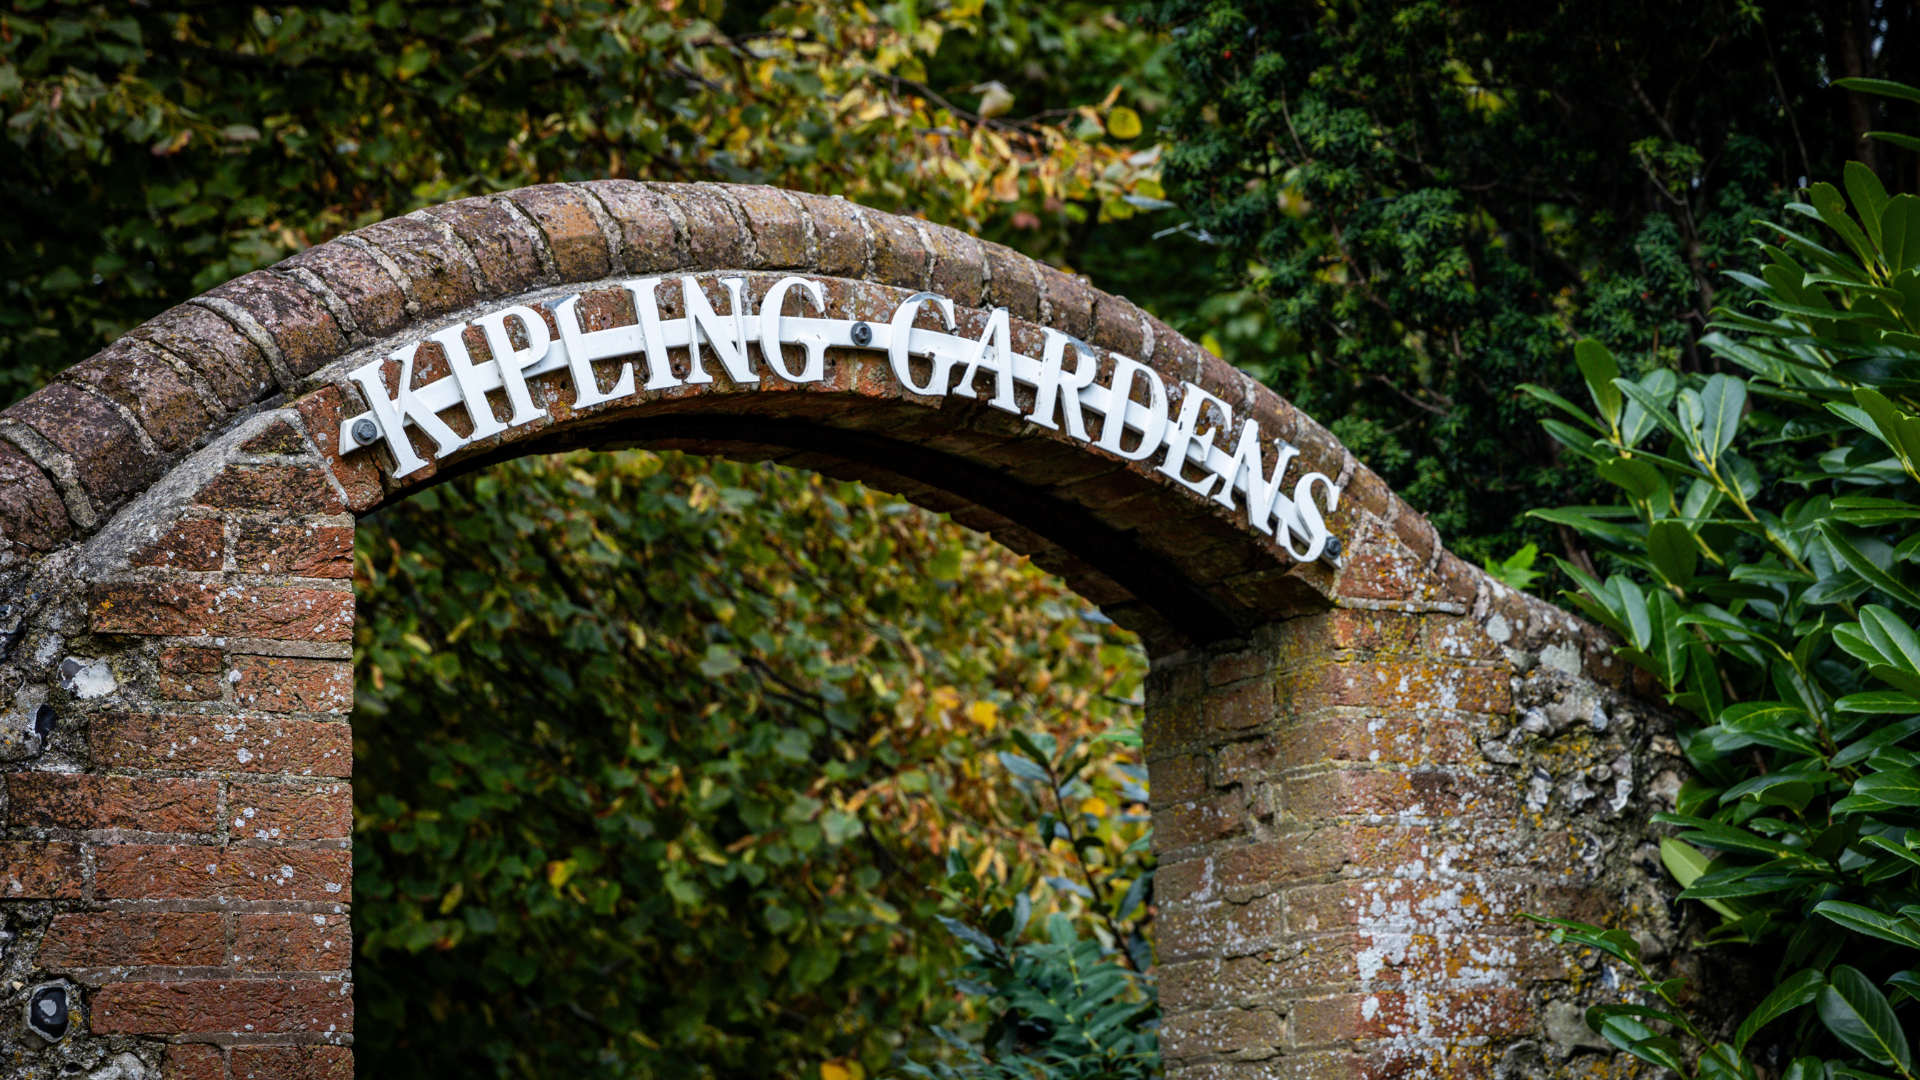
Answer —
(558, 872)
(1123, 123)
(986, 714)
(1096, 806)
(842, 1069)
(946, 697)
(1006, 186)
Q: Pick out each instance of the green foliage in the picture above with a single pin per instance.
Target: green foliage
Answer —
(1517, 569)
(1424, 202)
(660, 763)
(1070, 1004)
(1763, 573)
(159, 149)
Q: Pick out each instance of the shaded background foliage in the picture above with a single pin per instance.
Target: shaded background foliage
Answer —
(664, 767)
(1426, 202)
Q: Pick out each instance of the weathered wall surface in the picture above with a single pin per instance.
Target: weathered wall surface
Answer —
(1364, 768)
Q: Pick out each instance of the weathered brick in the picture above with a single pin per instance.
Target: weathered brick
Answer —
(315, 551)
(191, 660)
(1385, 905)
(107, 457)
(1117, 326)
(189, 544)
(1380, 740)
(1015, 285)
(32, 514)
(504, 245)
(438, 279)
(278, 437)
(194, 1061)
(573, 236)
(1318, 853)
(1219, 1031)
(1187, 931)
(287, 812)
(292, 1063)
(181, 872)
(136, 375)
(269, 611)
(306, 332)
(237, 1006)
(647, 237)
(1402, 685)
(32, 870)
(713, 238)
(1239, 707)
(1202, 821)
(128, 939)
(293, 684)
(372, 298)
(1183, 880)
(959, 265)
(69, 801)
(292, 943)
(216, 351)
(222, 744)
(1450, 1014)
(779, 227)
(1178, 779)
(357, 475)
(1067, 300)
(1425, 793)
(839, 236)
(276, 489)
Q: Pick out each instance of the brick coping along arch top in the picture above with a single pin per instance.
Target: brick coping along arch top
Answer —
(1367, 757)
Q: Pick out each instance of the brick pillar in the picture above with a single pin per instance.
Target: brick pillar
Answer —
(1342, 865)
(189, 819)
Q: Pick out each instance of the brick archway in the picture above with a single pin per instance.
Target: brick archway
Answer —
(1364, 765)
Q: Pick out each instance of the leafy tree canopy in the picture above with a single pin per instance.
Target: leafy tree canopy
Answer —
(160, 149)
(1427, 201)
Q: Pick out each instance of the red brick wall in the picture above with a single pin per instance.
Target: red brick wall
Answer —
(1363, 769)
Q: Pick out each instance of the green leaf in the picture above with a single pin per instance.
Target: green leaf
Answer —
(1872, 923)
(1855, 1011)
(1686, 863)
(1761, 716)
(1859, 563)
(1806, 1068)
(1886, 736)
(1600, 370)
(1883, 87)
(1723, 401)
(1894, 787)
(1879, 701)
(1868, 195)
(1798, 990)
(1900, 233)
(1674, 552)
(1639, 478)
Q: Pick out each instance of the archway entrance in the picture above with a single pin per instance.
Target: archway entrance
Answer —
(1347, 822)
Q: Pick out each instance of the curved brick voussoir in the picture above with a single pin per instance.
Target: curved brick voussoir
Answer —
(1366, 759)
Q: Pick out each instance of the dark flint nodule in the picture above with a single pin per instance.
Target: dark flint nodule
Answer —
(47, 1012)
(43, 718)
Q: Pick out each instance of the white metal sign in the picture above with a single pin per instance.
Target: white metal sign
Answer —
(1063, 395)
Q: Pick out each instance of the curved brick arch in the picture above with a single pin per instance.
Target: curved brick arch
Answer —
(1347, 803)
